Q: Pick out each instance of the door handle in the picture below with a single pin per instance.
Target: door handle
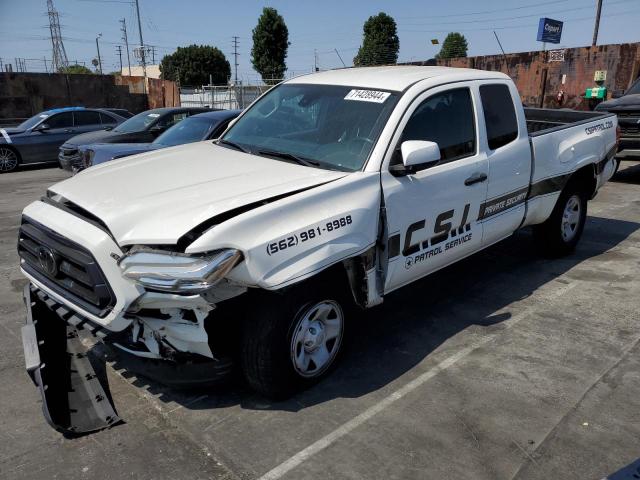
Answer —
(475, 178)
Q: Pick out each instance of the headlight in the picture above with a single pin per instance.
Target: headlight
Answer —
(87, 157)
(178, 273)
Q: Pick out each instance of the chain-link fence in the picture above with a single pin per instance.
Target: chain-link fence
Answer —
(224, 97)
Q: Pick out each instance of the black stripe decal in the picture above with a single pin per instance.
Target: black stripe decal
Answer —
(394, 245)
(502, 203)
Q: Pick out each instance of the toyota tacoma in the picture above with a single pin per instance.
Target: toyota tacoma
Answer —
(332, 190)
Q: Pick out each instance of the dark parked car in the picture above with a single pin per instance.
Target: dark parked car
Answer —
(627, 108)
(37, 139)
(141, 128)
(196, 128)
(120, 111)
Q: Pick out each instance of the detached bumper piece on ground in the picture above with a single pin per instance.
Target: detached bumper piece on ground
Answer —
(73, 399)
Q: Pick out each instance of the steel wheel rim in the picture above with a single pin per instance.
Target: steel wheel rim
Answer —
(317, 337)
(8, 160)
(571, 218)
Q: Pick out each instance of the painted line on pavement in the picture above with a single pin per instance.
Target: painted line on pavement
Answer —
(300, 457)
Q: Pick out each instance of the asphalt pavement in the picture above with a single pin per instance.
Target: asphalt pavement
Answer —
(504, 366)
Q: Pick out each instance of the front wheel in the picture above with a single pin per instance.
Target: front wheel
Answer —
(291, 341)
(8, 159)
(559, 235)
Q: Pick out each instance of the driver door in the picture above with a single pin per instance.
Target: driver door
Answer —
(432, 214)
(44, 144)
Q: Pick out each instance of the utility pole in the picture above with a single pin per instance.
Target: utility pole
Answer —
(597, 25)
(235, 56)
(45, 65)
(126, 42)
(338, 54)
(119, 49)
(315, 60)
(153, 55)
(98, 47)
(142, 51)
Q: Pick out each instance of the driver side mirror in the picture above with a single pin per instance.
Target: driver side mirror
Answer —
(416, 155)
(43, 127)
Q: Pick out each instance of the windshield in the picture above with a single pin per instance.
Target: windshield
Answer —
(192, 129)
(33, 121)
(334, 127)
(138, 123)
(635, 89)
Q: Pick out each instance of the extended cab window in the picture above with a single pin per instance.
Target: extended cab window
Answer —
(445, 118)
(499, 115)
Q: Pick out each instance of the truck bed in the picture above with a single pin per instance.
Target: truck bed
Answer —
(546, 120)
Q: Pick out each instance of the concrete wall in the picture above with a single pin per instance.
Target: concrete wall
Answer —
(25, 94)
(537, 72)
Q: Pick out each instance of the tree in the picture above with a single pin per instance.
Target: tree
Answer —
(73, 69)
(454, 45)
(270, 45)
(193, 64)
(380, 43)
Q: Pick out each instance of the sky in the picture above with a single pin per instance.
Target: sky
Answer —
(314, 26)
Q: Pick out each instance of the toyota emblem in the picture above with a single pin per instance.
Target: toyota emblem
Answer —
(47, 260)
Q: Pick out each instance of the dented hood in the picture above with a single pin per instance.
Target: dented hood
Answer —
(156, 197)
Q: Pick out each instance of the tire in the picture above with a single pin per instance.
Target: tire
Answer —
(9, 159)
(291, 341)
(560, 233)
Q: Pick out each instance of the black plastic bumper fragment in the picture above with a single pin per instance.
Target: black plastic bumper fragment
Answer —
(73, 399)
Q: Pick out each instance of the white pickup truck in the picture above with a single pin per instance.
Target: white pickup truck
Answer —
(330, 191)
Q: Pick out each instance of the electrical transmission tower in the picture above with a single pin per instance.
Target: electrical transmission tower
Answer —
(235, 56)
(59, 57)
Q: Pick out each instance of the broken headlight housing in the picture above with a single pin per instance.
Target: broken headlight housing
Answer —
(176, 272)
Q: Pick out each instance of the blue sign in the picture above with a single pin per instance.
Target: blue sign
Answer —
(549, 30)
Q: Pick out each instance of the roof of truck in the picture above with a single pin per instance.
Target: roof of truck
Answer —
(396, 77)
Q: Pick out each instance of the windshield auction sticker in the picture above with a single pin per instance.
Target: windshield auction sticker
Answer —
(367, 96)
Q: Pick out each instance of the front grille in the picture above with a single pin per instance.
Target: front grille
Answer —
(626, 113)
(629, 130)
(69, 152)
(65, 267)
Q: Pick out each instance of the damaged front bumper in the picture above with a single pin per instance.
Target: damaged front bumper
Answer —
(74, 399)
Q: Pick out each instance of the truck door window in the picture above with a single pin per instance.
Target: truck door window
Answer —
(499, 115)
(445, 118)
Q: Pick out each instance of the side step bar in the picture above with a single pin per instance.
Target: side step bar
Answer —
(73, 399)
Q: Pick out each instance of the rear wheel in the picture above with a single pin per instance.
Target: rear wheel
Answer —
(291, 341)
(560, 234)
(8, 159)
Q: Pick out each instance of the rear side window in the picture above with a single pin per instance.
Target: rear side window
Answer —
(86, 118)
(107, 120)
(499, 115)
(60, 120)
(445, 118)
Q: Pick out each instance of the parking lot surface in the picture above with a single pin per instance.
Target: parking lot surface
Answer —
(504, 366)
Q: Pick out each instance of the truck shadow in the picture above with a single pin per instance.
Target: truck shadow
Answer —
(413, 322)
(629, 173)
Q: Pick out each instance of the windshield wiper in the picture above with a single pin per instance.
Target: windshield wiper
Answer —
(234, 145)
(290, 156)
